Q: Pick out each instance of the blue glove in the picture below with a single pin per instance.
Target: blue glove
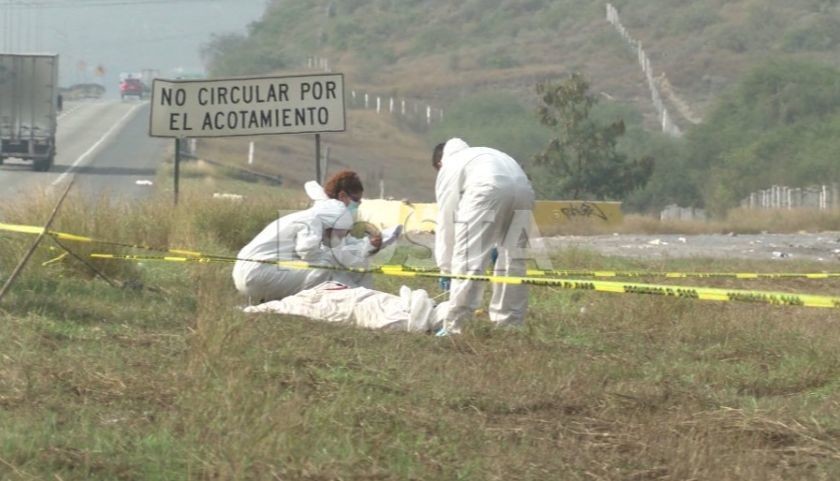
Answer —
(444, 283)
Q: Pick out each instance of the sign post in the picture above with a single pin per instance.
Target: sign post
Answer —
(318, 159)
(177, 166)
(246, 107)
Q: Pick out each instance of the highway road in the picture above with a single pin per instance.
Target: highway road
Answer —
(105, 143)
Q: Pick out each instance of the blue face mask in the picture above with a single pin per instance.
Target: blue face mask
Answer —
(353, 207)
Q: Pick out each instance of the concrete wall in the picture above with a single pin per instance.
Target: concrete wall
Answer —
(550, 216)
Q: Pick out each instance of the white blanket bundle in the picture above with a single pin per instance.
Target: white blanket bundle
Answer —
(332, 301)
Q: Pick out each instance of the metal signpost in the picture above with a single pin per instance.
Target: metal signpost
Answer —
(234, 107)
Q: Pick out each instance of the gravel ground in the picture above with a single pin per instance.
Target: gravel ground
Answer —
(821, 247)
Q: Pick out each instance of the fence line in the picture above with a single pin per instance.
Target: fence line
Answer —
(668, 125)
(682, 106)
(399, 106)
(823, 197)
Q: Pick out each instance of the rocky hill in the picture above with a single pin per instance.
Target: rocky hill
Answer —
(695, 53)
(439, 50)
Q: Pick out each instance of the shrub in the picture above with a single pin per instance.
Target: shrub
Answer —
(497, 120)
(434, 38)
(821, 35)
(498, 58)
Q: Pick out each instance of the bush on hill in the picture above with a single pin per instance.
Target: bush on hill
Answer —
(779, 125)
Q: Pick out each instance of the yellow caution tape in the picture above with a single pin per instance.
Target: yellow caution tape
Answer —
(667, 275)
(24, 229)
(54, 261)
(689, 275)
(685, 292)
(533, 276)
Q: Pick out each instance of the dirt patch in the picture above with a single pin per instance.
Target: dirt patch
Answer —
(822, 247)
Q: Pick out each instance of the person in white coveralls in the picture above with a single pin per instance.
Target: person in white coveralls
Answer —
(351, 252)
(411, 310)
(481, 192)
(317, 235)
(301, 236)
(329, 295)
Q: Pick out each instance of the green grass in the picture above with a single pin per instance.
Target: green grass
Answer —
(170, 381)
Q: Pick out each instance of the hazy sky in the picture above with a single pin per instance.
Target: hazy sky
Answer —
(121, 35)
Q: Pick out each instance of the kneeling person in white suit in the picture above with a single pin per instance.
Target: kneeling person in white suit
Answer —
(303, 236)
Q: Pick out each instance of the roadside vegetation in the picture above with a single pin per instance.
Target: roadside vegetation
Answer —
(143, 369)
(761, 74)
(775, 127)
(163, 378)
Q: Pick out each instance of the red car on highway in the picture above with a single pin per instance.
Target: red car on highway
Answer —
(132, 87)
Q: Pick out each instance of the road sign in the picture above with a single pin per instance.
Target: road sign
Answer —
(247, 106)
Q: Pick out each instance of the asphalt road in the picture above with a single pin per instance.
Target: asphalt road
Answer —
(104, 143)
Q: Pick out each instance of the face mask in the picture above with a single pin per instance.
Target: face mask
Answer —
(353, 207)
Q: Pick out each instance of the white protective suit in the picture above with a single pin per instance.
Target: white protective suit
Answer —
(411, 311)
(351, 252)
(479, 190)
(295, 237)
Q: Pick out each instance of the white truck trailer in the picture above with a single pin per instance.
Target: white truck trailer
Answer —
(29, 103)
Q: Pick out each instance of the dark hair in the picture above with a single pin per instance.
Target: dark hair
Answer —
(437, 154)
(346, 181)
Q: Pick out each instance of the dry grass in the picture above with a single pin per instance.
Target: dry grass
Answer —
(374, 141)
(99, 383)
(738, 221)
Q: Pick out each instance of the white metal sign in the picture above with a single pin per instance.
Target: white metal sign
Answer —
(247, 106)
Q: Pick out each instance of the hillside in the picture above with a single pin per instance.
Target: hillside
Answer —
(439, 50)
(445, 53)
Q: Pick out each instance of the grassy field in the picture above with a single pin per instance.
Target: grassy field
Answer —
(385, 149)
(164, 378)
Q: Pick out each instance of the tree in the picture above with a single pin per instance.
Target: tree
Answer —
(581, 161)
(778, 125)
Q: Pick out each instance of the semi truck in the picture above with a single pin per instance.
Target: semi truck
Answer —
(29, 104)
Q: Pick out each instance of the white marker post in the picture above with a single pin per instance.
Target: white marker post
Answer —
(247, 107)
(251, 153)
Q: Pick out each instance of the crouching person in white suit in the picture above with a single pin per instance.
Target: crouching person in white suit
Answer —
(351, 252)
(302, 236)
(479, 193)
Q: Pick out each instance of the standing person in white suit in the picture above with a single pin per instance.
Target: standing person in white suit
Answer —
(479, 192)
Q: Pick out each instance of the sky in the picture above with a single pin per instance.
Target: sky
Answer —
(121, 35)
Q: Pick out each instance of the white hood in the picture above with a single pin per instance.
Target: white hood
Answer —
(452, 147)
(315, 191)
(332, 214)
